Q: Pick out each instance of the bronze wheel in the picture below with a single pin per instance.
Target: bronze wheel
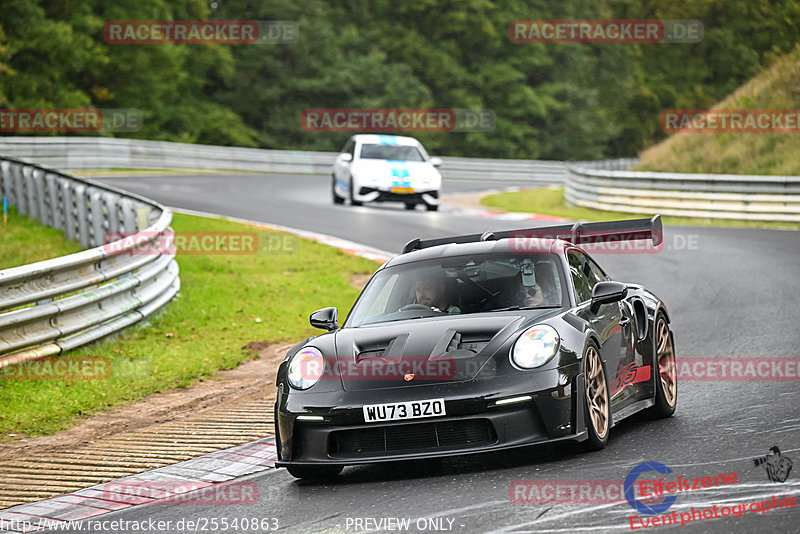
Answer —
(666, 363)
(598, 416)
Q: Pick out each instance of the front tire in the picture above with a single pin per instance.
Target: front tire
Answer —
(311, 472)
(336, 198)
(432, 207)
(597, 409)
(410, 205)
(353, 202)
(667, 378)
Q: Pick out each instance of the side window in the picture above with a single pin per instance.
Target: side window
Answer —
(596, 273)
(584, 275)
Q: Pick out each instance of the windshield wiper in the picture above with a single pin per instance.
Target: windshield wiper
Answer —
(400, 319)
(512, 308)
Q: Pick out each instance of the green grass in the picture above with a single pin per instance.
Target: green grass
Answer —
(204, 330)
(550, 201)
(23, 240)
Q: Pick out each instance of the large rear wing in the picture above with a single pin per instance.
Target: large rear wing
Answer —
(577, 233)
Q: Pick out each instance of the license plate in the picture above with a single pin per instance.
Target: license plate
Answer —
(405, 190)
(394, 411)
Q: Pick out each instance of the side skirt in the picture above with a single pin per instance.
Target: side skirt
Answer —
(631, 409)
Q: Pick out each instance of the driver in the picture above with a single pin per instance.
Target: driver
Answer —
(431, 292)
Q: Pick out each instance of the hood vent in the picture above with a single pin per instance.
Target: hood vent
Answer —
(457, 342)
(392, 347)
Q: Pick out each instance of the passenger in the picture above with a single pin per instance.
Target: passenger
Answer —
(544, 293)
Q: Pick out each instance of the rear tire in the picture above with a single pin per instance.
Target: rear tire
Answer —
(309, 472)
(410, 205)
(353, 202)
(432, 207)
(667, 378)
(597, 409)
(336, 198)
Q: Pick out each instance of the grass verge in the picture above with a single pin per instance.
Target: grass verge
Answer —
(225, 302)
(775, 88)
(90, 173)
(550, 201)
(23, 240)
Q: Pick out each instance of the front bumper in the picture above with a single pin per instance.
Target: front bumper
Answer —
(372, 194)
(473, 424)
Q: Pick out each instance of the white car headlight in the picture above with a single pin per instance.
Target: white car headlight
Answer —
(305, 368)
(535, 347)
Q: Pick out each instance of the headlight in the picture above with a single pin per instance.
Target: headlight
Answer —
(535, 347)
(305, 368)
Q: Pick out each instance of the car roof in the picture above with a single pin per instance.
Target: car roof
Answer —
(531, 246)
(386, 139)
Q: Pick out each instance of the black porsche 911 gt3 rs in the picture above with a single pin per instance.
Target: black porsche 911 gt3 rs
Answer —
(478, 343)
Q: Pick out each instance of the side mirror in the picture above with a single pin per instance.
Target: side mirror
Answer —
(345, 157)
(607, 292)
(326, 319)
(436, 162)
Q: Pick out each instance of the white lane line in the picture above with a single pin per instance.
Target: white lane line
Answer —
(540, 519)
(351, 247)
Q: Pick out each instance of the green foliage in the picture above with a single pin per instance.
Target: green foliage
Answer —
(25, 241)
(750, 153)
(559, 101)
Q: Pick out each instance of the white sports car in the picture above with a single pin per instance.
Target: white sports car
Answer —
(377, 168)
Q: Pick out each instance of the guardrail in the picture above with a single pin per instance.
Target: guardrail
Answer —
(58, 304)
(714, 196)
(73, 153)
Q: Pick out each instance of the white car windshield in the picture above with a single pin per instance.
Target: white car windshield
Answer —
(391, 152)
(461, 285)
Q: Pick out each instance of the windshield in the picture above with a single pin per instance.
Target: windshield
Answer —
(391, 152)
(461, 285)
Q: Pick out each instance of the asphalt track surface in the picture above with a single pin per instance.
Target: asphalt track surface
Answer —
(730, 292)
